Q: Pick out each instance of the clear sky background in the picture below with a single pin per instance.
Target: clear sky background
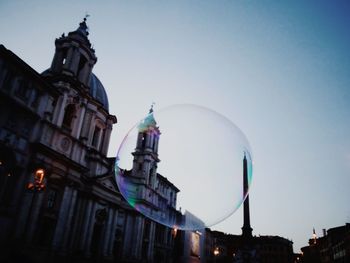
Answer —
(280, 70)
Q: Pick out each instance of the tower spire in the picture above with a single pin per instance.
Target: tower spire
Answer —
(246, 229)
(151, 109)
(74, 55)
(83, 28)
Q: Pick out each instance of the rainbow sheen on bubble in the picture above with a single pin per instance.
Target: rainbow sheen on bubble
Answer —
(182, 166)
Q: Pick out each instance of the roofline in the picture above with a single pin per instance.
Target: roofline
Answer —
(170, 183)
(25, 67)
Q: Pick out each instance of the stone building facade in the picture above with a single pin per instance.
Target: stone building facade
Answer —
(58, 196)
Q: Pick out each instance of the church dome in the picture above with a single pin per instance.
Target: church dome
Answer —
(97, 91)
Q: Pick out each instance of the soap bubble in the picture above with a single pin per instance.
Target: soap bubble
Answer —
(199, 180)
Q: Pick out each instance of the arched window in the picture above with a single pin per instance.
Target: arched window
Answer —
(69, 114)
(81, 67)
(96, 137)
(98, 134)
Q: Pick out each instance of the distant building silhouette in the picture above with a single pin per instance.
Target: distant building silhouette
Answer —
(333, 246)
(246, 248)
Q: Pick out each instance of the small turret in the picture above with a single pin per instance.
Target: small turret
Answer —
(146, 151)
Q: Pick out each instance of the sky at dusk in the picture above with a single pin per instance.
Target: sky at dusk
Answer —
(279, 70)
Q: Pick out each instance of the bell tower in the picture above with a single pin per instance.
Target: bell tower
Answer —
(146, 151)
(74, 55)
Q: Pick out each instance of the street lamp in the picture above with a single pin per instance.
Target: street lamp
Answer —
(216, 253)
(174, 231)
(36, 186)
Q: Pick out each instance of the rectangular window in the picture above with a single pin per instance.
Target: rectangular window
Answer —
(144, 140)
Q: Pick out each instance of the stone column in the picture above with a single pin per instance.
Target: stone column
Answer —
(90, 229)
(68, 231)
(86, 125)
(151, 139)
(99, 140)
(34, 211)
(151, 241)
(156, 145)
(76, 224)
(62, 218)
(75, 60)
(146, 167)
(62, 105)
(139, 140)
(107, 232)
(138, 234)
(87, 71)
(87, 216)
(112, 234)
(127, 246)
(105, 142)
(91, 128)
(79, 122)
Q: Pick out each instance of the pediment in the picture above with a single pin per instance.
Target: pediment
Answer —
(109, 182)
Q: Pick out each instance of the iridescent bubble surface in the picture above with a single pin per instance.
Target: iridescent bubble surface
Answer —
(182, 166)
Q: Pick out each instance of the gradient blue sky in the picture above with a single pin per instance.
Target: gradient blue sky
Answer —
(280, 70)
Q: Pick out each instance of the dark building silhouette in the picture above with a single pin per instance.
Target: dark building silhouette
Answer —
(246, 248)
(233, 248)
(333, 246)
